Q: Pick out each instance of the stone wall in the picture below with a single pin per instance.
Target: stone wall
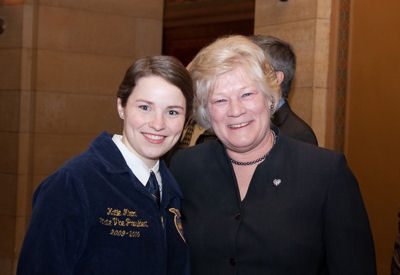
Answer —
(305, 24)
(60, 66)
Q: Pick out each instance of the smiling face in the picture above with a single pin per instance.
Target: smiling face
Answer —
(239, 112)
(154, 116)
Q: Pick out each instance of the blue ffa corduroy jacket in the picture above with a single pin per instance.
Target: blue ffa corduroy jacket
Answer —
(93, 216)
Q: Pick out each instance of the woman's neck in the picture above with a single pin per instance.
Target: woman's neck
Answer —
(254, 155)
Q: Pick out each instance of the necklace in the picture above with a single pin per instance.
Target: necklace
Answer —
(246, 163)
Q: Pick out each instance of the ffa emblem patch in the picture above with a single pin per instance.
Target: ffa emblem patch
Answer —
(177, 221)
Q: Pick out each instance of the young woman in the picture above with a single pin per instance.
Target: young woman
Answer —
(114, 209)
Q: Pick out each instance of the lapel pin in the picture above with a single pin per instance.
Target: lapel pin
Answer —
(276, 182)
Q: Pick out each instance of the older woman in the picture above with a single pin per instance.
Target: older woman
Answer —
(256, 201)
(114, 209)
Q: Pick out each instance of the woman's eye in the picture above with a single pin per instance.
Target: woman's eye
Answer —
(144, 107)
(246, 94)
(173, 112)
(220, 100)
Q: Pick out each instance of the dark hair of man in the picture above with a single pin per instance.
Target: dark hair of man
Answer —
(281, 56)
(167, 67)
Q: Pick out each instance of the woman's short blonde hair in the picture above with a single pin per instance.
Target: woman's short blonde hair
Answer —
(224, 55)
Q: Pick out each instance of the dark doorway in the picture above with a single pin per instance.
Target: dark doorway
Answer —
(189, 25)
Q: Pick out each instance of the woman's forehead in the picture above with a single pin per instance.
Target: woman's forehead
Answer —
(237, 77)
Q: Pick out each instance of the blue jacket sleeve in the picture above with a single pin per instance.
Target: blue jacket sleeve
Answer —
(348, 238)
(56, 233)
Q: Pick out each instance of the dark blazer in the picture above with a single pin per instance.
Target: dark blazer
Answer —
(93, 216)
(302, 214)
(292, 125)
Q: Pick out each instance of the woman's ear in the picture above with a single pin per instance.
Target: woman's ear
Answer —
(121, 110)
(279, 76)
(189, 65)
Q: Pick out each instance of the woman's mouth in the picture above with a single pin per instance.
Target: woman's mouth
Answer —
(239, 125)
(154, 138)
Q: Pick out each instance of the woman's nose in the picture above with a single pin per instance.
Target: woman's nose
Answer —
(236, 108)
(157, 122)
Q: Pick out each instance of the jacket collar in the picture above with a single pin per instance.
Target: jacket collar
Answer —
(281, 114)
(108, 153)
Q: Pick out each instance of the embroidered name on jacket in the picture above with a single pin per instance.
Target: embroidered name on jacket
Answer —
(123, 222)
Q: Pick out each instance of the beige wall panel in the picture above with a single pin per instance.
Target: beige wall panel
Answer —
(20, 230)
(318, 121)
(321, 57)
(52, 150)
(9, 152)
(276, 12)
(28, 26)
(24, 152)
(80, 73)
(86, 32)
(8, 194)
(19, 23)
(6, 265)
(25, 115)
(13, 17)
(9, 110)
(60, 113)
(7, 225)
(16, 2)
(301, 100)
(24, 200)
(301, 35)
(372, 119)
(61, 63)
(324, 9)
(152, 9)
(148, 45)
(26, 69)
(10, 68)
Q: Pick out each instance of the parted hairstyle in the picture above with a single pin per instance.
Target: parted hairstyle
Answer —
(224, 55)
(167, 67)
(281, 56)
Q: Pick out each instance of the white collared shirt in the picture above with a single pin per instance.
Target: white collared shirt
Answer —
(137, 166)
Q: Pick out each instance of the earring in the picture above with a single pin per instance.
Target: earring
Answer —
(121, 115)
(271, 107)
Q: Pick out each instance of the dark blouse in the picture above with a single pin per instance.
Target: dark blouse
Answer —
(302, 214)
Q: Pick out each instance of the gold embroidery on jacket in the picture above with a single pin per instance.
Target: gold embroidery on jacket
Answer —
(177, 221)
(122, 221)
